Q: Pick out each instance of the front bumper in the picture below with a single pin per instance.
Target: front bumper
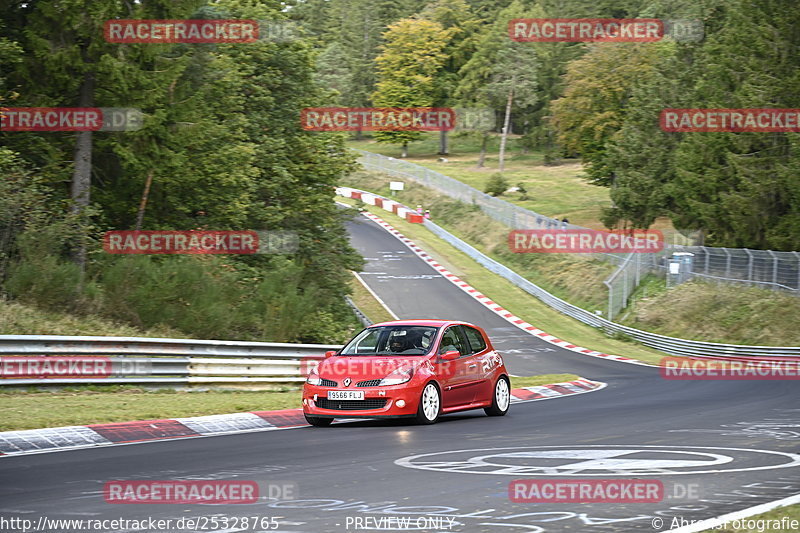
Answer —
(379, 402)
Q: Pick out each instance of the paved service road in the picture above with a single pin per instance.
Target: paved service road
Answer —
(717, 447)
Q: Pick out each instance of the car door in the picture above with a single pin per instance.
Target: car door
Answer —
(455, 376)
(483, 369)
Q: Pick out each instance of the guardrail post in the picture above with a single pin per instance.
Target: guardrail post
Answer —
(727, 263)
(624, 288)
(774, 270)
(797, 255)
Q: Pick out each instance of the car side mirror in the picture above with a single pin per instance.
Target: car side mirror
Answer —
(330, 353)
(449, 356)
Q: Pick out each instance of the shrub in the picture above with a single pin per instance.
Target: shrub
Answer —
(496, 185)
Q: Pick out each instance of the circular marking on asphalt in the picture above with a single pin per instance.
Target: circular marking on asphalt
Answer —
(600, 460)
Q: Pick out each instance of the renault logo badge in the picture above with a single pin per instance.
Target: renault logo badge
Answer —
(347, 382)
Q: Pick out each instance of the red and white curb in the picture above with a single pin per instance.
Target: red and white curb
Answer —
(115, 434)
(497, 309)
(118, 433)
(555, 390)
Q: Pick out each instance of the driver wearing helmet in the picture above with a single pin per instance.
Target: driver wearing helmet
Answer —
(397, 344)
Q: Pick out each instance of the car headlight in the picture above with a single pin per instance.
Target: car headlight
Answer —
(313, 378)
(397, 377)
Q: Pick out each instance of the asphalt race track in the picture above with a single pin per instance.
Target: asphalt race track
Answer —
(717, 446)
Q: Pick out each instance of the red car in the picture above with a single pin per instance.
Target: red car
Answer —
(408, 368)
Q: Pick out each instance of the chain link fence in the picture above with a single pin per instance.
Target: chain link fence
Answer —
(759, 268)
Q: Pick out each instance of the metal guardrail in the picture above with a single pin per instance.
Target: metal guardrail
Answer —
(364, 319)
(171, 362)
(759, 268)
(670, 345)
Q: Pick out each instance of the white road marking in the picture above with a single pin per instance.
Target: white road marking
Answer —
(378, 298)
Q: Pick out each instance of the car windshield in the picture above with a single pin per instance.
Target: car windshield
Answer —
(392, 340)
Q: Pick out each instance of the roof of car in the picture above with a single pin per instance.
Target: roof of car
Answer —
(423, 322)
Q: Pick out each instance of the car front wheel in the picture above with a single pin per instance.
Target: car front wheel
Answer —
(430, 405)
(500, 399)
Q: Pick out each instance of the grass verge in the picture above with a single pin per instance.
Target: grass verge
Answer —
(101, 404)
(717, 313)
(38, 408)
(576, 278)
(512, 298)
(368, 304)
(556, 190)
(518, 382)
(730, 314)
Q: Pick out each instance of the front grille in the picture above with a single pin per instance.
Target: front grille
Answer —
(351, 405)
(327, 383)
(368, 383)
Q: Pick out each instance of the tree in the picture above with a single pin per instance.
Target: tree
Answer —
(598, 90)
(741, 188)
(333, 73)
(68, 63)
(221, 140)
(640, 154)
(411, 57)
(501, 74)
(513, 79)
(454, 15)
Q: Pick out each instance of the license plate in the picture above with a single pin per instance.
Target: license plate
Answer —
(345, 394)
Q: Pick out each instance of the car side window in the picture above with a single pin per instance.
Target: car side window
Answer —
(475, 339)
(451, 340)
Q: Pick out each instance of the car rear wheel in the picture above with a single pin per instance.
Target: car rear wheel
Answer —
(317, 421)
(430, 405)
(501, 398)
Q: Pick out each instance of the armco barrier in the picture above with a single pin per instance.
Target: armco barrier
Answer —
(671, 345)
(171, 362)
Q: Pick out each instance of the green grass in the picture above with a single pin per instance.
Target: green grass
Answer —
(518, 382)
(25, 319)
(512, 298)
(38, 408)
(791, 512)
(97, 405)
(717, 313)
(732, 314)
(555, 191)
(572, 277)
(368, 304)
